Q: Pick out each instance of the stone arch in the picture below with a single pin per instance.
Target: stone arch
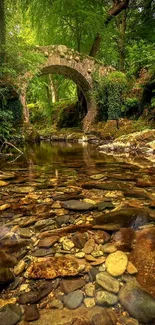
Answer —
(73, 65)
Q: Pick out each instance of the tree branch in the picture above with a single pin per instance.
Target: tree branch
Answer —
(118, 6)
(11, 145)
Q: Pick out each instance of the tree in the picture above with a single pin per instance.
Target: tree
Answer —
(2, 31)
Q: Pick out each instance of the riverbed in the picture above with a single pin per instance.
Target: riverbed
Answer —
(77, 236)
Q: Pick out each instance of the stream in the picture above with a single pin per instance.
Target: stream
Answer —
(77, 237)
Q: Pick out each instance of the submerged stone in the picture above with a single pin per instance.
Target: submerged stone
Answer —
(52, 267)
(107, 282)
(124, 217)
(76, 205)
(116, 263)
(74, 299)
(10, 314)
(138, 302)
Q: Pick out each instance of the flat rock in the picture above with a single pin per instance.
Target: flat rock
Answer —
(79, 239)
(44, 223)
(48, 241)
(105, 317)
(43, 252)
(28, 221)
(89, 246)
(6, 276)
(3, 183)
(10, 314)
(116, 263)
(25, 233)
(138, 302)
(76, 205)
(74, 299)
(68, 286)
(107, 282)
(20, 267)
(105, 298)
(52, 267)
(109, 248)
(61, 220)
(105, 205)
(14, 245)
(124, 217)
(34, 296)
(4, 207)
(7, 260)
(31, 313)
(23, 189)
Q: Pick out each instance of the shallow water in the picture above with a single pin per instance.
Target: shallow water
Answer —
(30, 210)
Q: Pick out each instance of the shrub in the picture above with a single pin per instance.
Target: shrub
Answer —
(108, 92)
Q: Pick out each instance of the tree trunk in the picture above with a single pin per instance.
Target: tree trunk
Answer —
(118, 7)
(121, 25)
(96, 45)
(2, 32)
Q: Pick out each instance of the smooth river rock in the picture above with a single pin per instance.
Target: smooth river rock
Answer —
(116, 263)
(68, 286)
(10, 314)
(74, 299)
(76, 205)
(105, 298)
(138, 302)
(107, 282)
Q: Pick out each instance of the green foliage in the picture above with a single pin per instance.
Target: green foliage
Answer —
(10, 111)
(140, 54)
(131, 107)
(70, 116)
(116, 86)
(109, 93)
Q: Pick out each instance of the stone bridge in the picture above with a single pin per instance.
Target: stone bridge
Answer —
(78, 67)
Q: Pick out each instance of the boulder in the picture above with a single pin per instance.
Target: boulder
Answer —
(138, 302)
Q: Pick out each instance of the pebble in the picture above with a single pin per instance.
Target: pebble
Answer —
(109, 248)
(20, 267)
(107, 282)
(48, 241)
(68, 286)
(90, 289)
(56, 304)
(89, 246)
(97, 254)
(10, 314)
(67, 244)
(74, 299)
(79, 239)
(131, 268)
(31, 313)
(24, 287)
(105, 298)
(80, 255)
(25, 233)
(116, 263)
(89, 302)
